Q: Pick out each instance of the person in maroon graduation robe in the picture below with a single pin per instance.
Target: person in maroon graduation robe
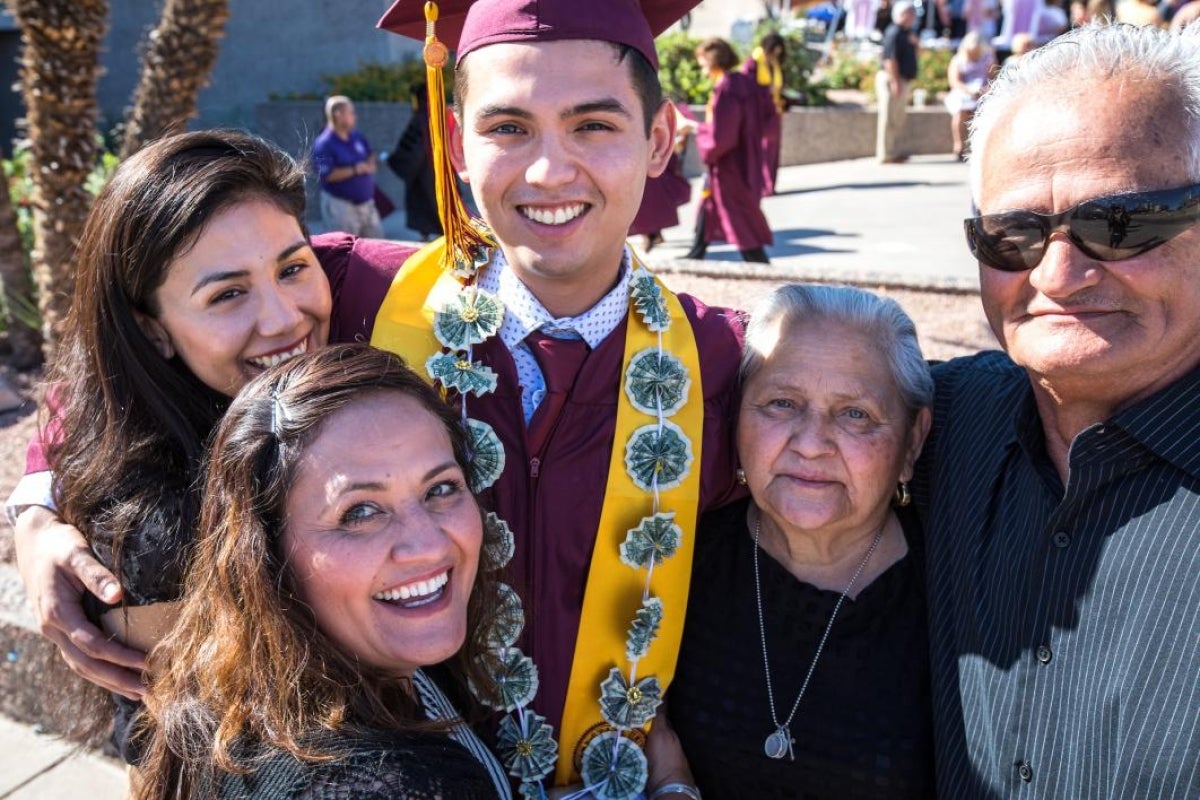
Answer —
(553, 505)
(765, 65)
(660, 204)
(730, 144)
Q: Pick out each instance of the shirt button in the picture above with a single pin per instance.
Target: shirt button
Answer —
(1044, 654)
(1061, 539)
(1025, 771)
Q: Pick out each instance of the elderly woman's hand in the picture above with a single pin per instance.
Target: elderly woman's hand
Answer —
(668, 764)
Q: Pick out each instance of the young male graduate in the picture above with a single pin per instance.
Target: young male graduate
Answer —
(599, 433)
(560, 122)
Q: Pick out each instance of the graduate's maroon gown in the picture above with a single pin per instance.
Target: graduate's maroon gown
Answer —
(552, 500)
(730, 144)
(553, 506)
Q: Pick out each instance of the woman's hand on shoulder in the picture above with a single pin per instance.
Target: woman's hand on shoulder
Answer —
(56, 567)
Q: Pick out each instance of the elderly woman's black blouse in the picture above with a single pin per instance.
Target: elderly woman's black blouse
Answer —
(864, 727)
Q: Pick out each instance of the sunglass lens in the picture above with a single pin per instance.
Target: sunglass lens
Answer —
(1010, 242)
(1108, 230)
(1116, 229)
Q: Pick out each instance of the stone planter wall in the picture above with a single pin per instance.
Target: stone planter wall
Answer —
(837, 133)
(810, 135)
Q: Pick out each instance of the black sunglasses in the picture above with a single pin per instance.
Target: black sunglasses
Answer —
(1105, 228)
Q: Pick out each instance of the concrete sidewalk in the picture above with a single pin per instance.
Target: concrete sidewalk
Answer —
(36, 766)
(855, 222)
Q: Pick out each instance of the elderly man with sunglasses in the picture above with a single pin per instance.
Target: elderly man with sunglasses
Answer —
(1061, 484)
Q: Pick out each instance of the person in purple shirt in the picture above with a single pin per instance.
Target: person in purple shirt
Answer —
(346, 167)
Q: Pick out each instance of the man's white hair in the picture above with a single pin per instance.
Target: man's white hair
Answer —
(1098, 52)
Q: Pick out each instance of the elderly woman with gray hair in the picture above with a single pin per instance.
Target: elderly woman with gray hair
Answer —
(803, 671)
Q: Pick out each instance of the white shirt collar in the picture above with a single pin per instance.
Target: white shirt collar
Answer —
(524, 313)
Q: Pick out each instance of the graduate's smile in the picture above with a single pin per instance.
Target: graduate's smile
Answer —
(554, 215)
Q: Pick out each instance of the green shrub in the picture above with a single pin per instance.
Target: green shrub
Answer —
(933, 67)
(683, 81)
(374, 82)
(798, 65)
(847, 70)
(20, 191)
(681, 77)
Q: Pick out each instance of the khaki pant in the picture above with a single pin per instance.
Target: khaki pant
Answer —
(360, 219)
(892, 111)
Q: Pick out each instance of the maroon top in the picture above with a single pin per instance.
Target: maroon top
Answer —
(772, 142)
(463, 25)
(730, 143)
(552, 499)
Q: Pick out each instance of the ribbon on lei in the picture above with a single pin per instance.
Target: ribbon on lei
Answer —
(614, 591)
(404, 324)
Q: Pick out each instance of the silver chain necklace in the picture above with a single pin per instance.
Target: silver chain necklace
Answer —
(780, 742)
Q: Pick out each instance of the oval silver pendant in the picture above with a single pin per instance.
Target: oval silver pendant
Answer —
(777, 744)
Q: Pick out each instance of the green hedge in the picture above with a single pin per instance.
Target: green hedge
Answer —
(683, 81)
(375, 82)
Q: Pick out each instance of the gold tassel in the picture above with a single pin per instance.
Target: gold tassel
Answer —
(466, 243)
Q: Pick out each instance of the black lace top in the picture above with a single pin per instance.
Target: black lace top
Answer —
(863, 729)
(380, 766)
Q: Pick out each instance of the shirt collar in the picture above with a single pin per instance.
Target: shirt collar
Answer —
(1167, 424)
(524, 313)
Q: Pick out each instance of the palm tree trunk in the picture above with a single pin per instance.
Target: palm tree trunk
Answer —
(177, 63)
(25, 342)
(60, 65)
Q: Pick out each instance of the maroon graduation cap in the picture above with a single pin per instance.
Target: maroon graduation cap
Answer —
(463, 25)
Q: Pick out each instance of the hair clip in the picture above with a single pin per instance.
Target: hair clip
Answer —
(279, 414)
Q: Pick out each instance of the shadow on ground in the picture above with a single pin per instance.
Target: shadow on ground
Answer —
(866, 186)
(788, 242)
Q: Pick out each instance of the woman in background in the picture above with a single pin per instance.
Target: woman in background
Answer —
(730, 145)
(765, 65)
(970, 72)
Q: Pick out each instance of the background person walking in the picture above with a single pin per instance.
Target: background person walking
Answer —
(730, 145)
(346, 167)
(891, 82)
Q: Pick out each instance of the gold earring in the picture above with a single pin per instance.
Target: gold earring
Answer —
(741, 476)
(903, 496)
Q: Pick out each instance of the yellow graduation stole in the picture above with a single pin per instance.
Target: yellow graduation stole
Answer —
(614, 591)
(770, 75)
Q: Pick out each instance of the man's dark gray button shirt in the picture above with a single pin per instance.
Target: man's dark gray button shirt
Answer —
(1065, 621)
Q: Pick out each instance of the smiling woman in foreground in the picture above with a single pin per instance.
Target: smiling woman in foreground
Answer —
(804, 666)
(338, 555)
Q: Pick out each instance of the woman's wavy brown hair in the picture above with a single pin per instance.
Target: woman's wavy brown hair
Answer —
(247, 667)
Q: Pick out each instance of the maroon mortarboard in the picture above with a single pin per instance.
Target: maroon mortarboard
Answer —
(463, 25)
